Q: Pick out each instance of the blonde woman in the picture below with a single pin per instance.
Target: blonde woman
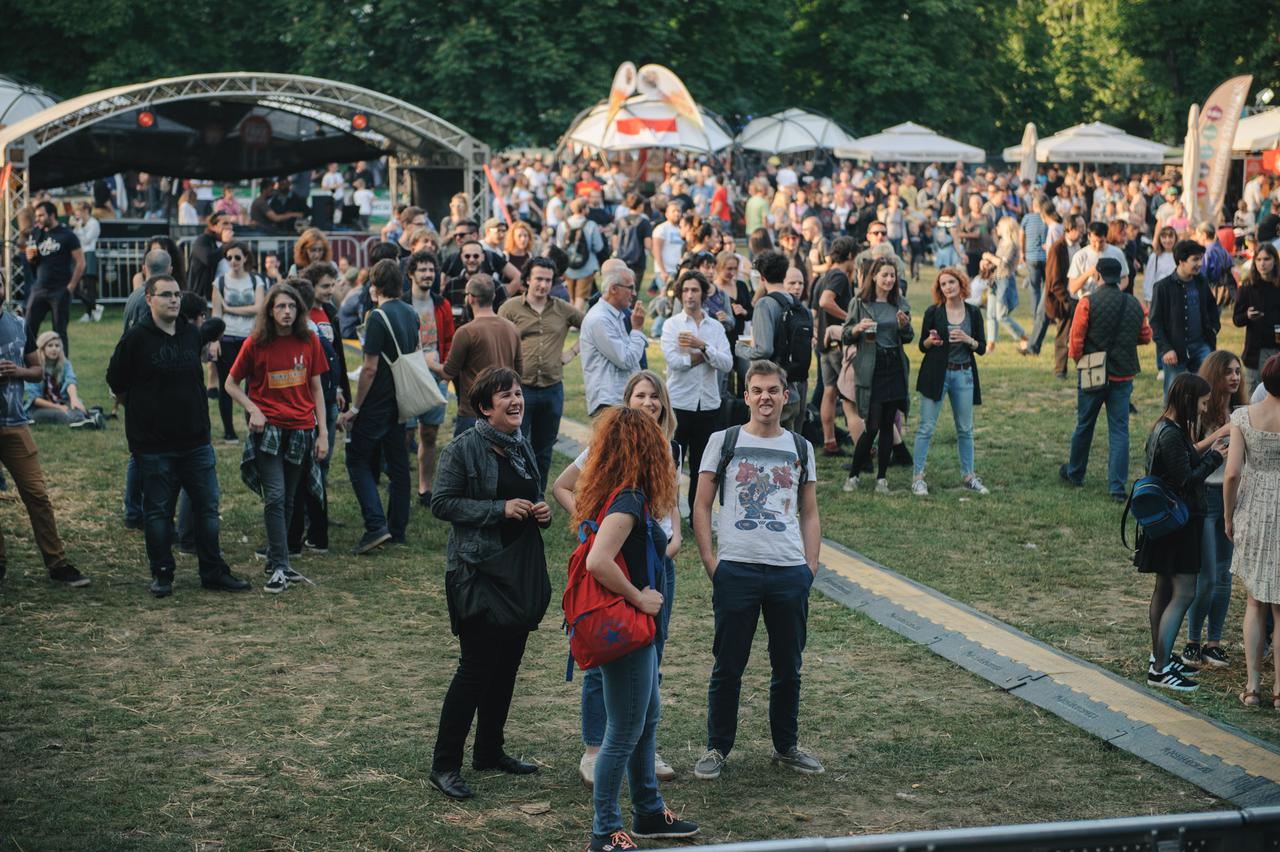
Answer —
(1003, 298)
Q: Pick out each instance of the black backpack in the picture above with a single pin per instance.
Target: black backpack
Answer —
(793, 338)
(630, 244)
(731, 443)
(576, 248)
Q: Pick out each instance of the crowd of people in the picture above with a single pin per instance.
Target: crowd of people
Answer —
(766, 346)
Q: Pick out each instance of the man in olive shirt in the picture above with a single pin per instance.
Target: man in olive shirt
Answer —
(544, 323)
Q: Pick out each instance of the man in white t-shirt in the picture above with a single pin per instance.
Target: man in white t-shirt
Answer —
(668, 245)
(1082, 275)
(787, 176)
(766, 556)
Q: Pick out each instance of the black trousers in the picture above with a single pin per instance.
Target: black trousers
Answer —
(693, 429)
(481, 690)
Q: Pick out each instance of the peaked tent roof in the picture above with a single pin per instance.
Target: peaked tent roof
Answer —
(1094, 142)
(793, 130)
(911, 143)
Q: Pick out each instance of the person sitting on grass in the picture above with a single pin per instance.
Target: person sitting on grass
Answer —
(53, 399)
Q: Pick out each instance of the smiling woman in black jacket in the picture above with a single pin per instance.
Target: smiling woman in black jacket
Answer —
(951, 337)
(1175, 558)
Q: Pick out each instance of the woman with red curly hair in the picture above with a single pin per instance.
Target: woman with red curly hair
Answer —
(312, 247)
(646, 477)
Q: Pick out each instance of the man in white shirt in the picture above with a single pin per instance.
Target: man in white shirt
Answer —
(764, 559)
(668, 245)
(1082, 275)
(697, 351)
(612, 349)
(334, 183)
(787, 176)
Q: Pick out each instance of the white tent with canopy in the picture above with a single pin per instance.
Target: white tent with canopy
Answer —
(911, 143)
(643, 122)
(791, 131)
(1258, 132)
(1092, 143)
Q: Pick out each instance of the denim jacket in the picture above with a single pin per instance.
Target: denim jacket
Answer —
(465, 494)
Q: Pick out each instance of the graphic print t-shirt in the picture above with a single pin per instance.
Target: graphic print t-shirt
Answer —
(760, 519)
(279, 377)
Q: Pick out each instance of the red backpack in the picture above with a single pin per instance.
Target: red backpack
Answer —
(601, 625)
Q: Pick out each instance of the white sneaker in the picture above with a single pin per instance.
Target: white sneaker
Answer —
(85, 318)
(662, 769)
(973, 483)
(97, 313)
(587, 769)
(850, 485)
(919, 488)
(882, 486)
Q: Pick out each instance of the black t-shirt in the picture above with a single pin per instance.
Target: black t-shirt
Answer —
(685, 202)
(513, 486)
(635, 549)
(258, 214)
(54, 262)
(837, 282)
(381, 400)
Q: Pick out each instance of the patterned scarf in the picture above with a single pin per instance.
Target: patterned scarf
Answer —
(516, 448)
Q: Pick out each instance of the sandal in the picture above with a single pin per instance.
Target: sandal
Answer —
(1254, 699)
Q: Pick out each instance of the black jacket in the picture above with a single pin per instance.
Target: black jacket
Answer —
(933, 369)
(1258, 334)
(161, 381)
(1169, 315)
(203, 265)
(1172, 457)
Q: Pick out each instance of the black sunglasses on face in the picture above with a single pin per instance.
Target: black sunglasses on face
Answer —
(235, 257)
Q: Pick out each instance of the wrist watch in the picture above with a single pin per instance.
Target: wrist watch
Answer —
(353, 409)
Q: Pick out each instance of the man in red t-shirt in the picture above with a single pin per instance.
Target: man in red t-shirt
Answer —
(282, 361)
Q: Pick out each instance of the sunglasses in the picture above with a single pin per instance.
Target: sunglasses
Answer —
(235, 257)
(876, 233)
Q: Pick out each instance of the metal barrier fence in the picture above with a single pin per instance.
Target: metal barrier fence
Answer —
(1247, 830)
(120, 259)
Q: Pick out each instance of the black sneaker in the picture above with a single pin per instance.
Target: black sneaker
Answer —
(609, 842)
(69, 575)
(261, 553)
(161, 587)
(371, 541)
(424, 499)
(133, 525)
(1170, 679)
(1191, 654)
(293, 576)
(1177, 664)
(3, 569)
(276, 583)
(1214, 657)
(316, 547)
(665, 824)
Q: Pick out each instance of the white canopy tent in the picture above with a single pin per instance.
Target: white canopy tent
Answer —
(18, 100)
(1258, 132)
(643, 122)
(1092, 143)
(911, 143)
(791, 131)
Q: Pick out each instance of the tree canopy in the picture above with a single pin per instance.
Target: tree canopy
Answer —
(515, 73)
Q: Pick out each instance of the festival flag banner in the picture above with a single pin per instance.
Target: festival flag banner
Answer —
(1217, 129)
(663, 130)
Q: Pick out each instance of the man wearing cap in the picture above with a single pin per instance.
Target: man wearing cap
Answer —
(1111, 321)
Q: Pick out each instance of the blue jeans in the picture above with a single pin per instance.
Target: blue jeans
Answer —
(279, 485)
(593, 712)
(1196, 353)
(372, 440)
(634, 707)
(1035, 283)
(957, 387)
(1213, 585)
(1001, 300)
(133, 492)
(1088, 406)
(462, 424)
(195, 472)
(541, 424)
(741, 592)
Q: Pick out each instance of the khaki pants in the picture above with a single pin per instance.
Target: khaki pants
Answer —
(18, 453)
(1061, 344)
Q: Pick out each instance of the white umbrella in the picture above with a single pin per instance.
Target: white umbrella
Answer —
(643, 122)
(792, 130)
(911, 143)
(1092, 143)
(1027, 170)
(1258, 132)
(1191, 162)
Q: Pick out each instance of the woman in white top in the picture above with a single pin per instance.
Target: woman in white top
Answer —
(87, 231)
(646, 392)
(187, 212)
(1161, 263)
(237, 298)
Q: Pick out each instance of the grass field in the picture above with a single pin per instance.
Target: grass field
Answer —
(306, 721)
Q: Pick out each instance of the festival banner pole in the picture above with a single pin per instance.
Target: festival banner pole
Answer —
(1217, 131)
